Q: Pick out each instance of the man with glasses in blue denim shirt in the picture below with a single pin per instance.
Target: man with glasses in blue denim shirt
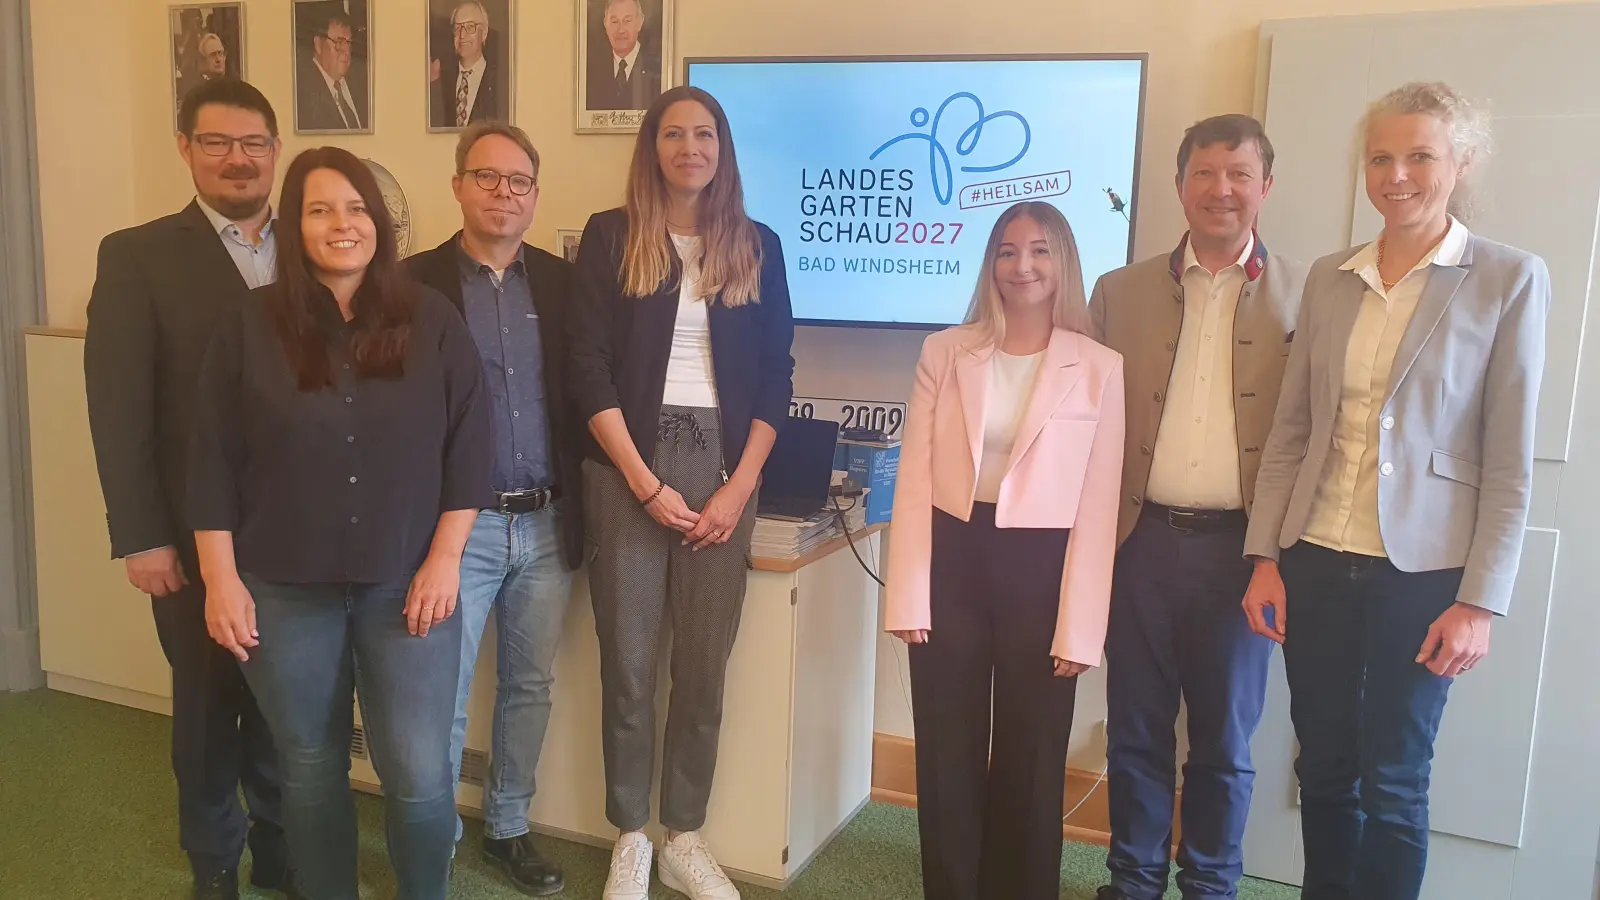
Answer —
(520, 557)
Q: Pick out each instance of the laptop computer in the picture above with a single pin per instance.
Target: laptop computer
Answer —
(799, 470)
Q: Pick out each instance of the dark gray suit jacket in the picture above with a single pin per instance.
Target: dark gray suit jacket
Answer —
(159, 289)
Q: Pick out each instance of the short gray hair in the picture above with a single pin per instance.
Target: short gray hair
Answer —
(1466, 123)
(465, 3)
(477, 131)
(637, 4)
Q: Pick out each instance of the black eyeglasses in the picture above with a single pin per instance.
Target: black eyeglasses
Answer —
(254, 145)
(489, 180)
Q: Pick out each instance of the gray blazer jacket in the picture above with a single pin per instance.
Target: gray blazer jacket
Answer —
(1456, 424)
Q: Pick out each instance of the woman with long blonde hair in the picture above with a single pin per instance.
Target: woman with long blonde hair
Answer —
(1394, 489)
(680, 339)
(1005, 527)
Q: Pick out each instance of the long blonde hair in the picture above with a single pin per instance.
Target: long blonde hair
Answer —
(730, 246)
(1070, 309)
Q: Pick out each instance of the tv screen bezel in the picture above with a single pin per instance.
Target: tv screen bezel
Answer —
(1143, 59)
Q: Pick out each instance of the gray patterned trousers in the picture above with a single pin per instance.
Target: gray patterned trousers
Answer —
(639, 572)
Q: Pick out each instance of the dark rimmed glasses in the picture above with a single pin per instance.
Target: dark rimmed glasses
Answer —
(488, 180)
(254, 145)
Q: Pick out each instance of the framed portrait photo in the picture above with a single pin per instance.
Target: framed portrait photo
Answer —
(332, 66)
(207, 43)
(623, 47)
(470, 62)
(568, 239)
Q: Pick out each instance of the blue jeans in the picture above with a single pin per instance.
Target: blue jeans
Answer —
(1176, 630)
(1365, 713)
(319, 644)
(513, 564)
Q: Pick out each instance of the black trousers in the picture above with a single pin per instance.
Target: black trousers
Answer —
(220, 742)
(991, 718)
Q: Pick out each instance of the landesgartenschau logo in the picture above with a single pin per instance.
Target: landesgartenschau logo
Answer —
(942, 173)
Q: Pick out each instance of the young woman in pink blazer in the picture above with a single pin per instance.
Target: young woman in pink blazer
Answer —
(1005, 527)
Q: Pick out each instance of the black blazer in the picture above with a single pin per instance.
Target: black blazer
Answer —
(621, 345)
(487, 105)
(159, 290)
(550, 279)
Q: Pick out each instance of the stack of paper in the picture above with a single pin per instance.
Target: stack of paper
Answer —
(788, 539)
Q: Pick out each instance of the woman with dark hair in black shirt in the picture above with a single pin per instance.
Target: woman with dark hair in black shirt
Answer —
(341, 453)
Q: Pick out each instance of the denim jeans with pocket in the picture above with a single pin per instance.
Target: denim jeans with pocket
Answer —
(512, 565)
(320, 643)
(1366, 714)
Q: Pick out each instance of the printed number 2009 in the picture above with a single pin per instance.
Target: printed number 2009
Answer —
(887, 419)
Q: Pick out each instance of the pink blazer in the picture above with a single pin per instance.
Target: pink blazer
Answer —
(1065, 472)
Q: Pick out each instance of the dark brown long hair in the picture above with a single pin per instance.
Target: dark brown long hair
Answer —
(731, 250)
(383, 304)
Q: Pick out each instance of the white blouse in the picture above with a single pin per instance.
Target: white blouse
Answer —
(1011, 381)
(689, 374)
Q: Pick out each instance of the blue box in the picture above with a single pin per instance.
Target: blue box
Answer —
(874, 466)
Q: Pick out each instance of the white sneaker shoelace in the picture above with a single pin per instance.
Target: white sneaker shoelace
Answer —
(692, 860)
(630, 868)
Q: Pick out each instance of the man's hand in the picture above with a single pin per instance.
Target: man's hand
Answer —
(1457, 640)
(156, 572)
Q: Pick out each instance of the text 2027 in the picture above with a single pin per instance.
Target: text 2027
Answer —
(923, 233)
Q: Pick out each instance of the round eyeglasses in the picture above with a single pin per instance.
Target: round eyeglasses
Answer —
(489, 180)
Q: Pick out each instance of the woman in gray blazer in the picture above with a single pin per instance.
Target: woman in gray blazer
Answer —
(1395, 483)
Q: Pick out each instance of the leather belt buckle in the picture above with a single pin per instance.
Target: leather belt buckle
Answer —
(1181, 520)
(521, 502)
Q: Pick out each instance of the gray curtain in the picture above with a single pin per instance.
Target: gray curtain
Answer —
(21, 305)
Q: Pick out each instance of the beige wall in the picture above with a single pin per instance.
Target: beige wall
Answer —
(107, 159)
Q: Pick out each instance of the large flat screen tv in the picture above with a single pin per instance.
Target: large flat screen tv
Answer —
(884, 175)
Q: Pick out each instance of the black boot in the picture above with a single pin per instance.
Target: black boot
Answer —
(522, 863)
(223, 885)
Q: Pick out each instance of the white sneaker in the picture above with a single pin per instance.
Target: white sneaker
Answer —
(687, 867)
(630, 868)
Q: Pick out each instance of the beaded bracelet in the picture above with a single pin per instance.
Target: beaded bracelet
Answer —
(660, 486)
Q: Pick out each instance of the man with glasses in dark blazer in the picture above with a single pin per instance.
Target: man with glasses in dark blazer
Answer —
(159, 289)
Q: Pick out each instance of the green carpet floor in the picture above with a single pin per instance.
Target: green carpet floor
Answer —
(87, 811)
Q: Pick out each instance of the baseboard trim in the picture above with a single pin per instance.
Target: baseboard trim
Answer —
(121, 696)
(894, 780)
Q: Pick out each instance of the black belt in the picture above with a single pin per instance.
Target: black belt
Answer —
(1206, 521)
(519, 502)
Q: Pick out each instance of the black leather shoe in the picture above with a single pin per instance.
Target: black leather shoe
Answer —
(1109, 892)
(223, 885)
(273, 873)
(524, 865)
(285, 883)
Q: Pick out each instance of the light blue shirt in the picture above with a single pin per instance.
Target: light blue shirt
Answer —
(258, 263)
